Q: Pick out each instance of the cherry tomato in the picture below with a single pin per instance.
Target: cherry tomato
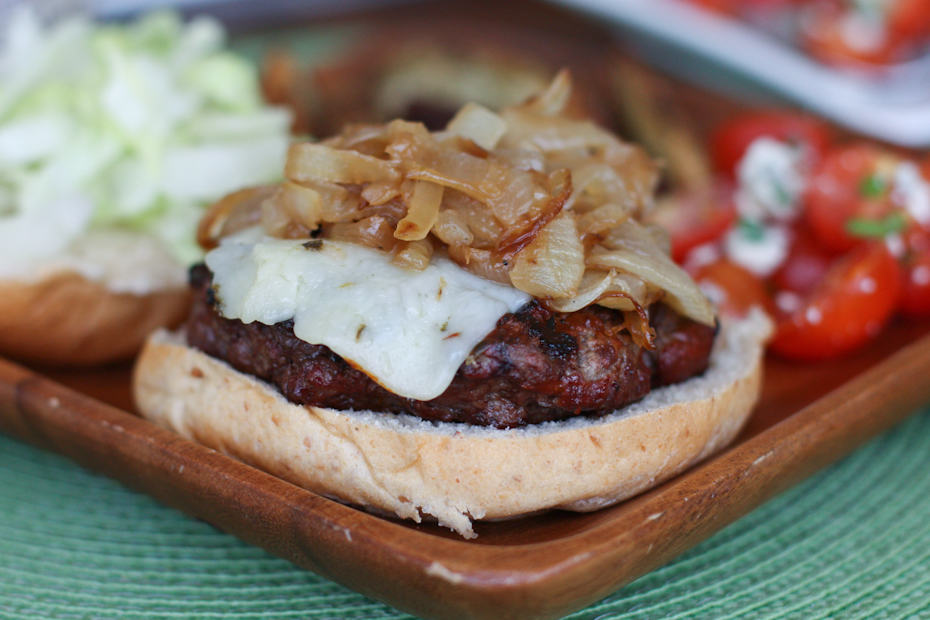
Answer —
(915, 265)
(695, 220)
(915, 296)
(909, 19)
(851, 305)
(825, 35)
(848, 186)
(733, 289)
(805, 266)
(735, 7)
(718, 6)
(729, 141)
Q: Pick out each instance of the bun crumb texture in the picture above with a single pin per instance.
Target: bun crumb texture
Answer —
(455, 473)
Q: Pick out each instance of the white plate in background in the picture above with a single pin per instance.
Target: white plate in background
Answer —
(893, 106)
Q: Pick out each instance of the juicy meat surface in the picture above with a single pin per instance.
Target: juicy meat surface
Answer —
(536, 365)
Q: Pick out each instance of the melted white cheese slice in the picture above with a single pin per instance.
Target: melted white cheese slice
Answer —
(408, 330)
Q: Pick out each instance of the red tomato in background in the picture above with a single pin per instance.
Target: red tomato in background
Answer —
(729, 141)
(823, 37)
(733, 289)
(909, 19)
(915, 265)
(850, 306)
(805, 266)
(915, 296)
(718, 6)
(693, 220)
(839, 191)
(735, 7)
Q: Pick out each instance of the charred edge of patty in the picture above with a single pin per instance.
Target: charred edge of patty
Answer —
(535, 366)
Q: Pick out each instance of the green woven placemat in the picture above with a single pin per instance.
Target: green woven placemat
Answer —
(853, 541)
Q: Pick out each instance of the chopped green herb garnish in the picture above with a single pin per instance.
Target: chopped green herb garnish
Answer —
(872, 186)
(784, 198)
(865, 227)
(751, 229)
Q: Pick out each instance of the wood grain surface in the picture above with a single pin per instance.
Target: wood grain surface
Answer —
(542, 566)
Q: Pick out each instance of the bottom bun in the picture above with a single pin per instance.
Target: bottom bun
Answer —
(455, 472)
(66, 319)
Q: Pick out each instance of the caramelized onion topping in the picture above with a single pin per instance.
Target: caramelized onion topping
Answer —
(528, 196)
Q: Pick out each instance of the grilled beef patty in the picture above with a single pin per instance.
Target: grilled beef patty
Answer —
(537, 365)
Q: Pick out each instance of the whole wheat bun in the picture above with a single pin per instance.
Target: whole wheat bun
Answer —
(455, 472)
(67, 319)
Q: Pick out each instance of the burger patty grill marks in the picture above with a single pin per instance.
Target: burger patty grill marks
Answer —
(535, 366)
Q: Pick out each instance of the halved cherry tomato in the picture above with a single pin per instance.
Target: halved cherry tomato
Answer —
(718, 6)
(848, 185)
(909, 19)
(851, 305)
(915, 296)
(733, 289)
(736, 6)
(805, 266)
(915, 265)
(825, 35)
(693, 220)
(729, 141)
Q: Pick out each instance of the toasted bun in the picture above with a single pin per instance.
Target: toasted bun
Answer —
(455, 472)
(66, 319)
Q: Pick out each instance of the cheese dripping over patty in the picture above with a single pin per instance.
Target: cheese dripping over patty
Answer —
(407, 330)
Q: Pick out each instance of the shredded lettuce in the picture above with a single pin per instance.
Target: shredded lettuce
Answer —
(135, 126)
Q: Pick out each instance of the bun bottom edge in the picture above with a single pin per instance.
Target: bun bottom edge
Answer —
(66, 319)
(401, 465)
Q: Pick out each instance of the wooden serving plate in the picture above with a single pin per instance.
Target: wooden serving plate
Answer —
(541, 566)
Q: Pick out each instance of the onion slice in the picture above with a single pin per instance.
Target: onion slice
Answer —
(478, 124)
(552, 265)
(308, 163)
(230, 214)
(422, 212)
(631, 248)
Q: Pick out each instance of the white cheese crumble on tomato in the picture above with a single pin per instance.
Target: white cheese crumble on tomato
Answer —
(911, 191)
(771, 180)
(760, 249)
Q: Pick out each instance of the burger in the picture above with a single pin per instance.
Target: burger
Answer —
(465, 324)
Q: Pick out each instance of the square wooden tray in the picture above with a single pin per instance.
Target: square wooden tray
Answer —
(543, 566)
